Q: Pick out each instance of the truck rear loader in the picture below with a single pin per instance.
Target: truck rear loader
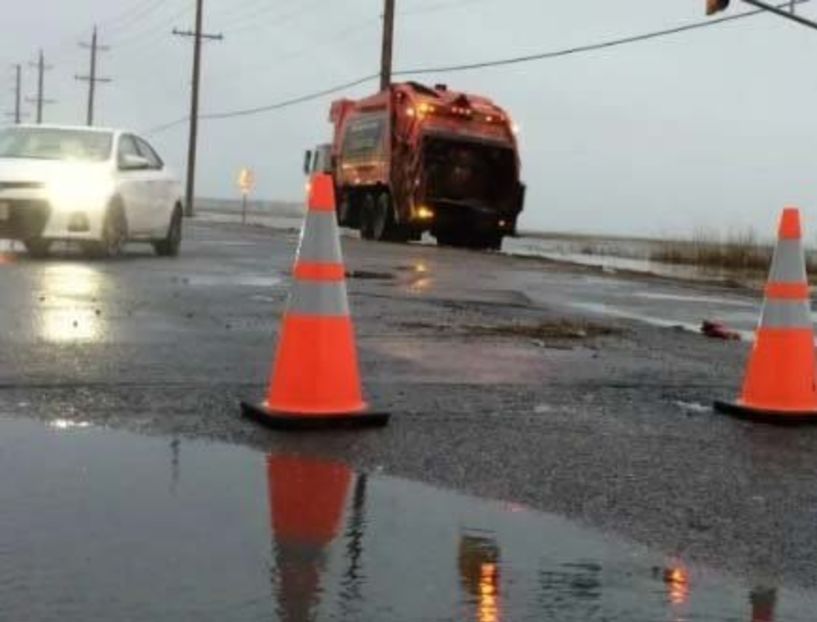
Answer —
(413, 158)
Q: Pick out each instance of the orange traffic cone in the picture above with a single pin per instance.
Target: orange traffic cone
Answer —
(315, 381)
(780, 379)
(306, 501)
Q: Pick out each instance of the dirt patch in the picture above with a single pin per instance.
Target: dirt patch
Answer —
(549, 330)
(555, 330)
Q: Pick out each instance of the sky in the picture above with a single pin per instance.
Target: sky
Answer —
(710, 131)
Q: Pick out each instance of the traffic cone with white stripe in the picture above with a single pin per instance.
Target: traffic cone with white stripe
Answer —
(315, 380)
(780, 384)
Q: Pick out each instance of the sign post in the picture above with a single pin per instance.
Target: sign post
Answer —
(246, 182)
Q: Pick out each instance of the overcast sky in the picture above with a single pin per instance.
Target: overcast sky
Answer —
(711, 129)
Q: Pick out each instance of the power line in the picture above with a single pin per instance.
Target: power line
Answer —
(587, 48)
(147, 9)
(136, 9)
(252, 21)
(343, 34)
(438, 6)
(470, 66)
(268, 108)
(152, 31)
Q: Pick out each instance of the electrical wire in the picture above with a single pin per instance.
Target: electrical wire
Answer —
(135, 9)
(471, 66)
(252, 21)
(438, 6)
(269, 107)
(152, 31)
(584, 48)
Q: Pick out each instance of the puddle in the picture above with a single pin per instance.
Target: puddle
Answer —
(697, 299)
(241, 280)
(101, 525)
(693, 408)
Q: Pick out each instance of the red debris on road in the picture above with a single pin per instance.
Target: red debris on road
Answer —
(718, 330)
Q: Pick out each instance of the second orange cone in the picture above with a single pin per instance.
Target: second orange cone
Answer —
(780, 384)
(315, 380)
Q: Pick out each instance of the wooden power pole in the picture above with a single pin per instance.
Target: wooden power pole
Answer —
(198, 36)
(92, 77)
(17, 113)
(388, 45)
(40, 99)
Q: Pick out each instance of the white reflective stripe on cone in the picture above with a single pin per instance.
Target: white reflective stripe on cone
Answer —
(786, 314)
(320, 239)
(318, 298)
(789, 264)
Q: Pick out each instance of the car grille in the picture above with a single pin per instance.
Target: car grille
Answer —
(21, 185)
(27, 219)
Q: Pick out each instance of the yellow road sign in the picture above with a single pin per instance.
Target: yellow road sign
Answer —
(246, 180)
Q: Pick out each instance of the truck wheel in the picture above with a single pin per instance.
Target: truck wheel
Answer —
(383, 218)
(448, 238)
(384, 226)
(489, 241)
(367, 211)
(346, 211)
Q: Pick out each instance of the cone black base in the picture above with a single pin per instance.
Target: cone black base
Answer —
(773, 417)
(295, 421)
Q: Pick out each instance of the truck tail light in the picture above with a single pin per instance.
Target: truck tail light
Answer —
(425, 213)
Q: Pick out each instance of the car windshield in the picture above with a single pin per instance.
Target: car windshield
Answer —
(55, 144)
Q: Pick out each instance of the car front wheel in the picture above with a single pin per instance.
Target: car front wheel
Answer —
(169, 246)
(114, 235)
(38, 247)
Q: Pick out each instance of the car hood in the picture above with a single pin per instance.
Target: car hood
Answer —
(31, 170)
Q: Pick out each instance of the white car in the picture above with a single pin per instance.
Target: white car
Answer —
(98, 187)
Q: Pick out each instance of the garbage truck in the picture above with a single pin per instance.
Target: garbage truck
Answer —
(415, 159)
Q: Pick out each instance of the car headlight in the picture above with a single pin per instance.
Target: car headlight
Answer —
(86, 192)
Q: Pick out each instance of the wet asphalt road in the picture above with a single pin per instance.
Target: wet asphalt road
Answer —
(612, 431)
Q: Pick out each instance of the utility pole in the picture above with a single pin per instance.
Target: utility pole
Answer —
(17, 115)
(388, 45)
(198, 36)
(40, 100)
(92, 77)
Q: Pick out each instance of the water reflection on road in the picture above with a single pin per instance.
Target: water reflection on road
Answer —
(98, 525)
(67, 311)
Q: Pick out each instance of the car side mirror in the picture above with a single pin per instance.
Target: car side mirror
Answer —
(133, 162)
(307, 162)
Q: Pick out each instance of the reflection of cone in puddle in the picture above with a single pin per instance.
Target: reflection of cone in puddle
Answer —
(478, 562)
(764, 601)
(307, 499)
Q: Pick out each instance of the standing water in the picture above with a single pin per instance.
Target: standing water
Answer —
(98, 525)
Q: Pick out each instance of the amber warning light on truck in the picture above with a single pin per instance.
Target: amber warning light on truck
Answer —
(716, 6)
